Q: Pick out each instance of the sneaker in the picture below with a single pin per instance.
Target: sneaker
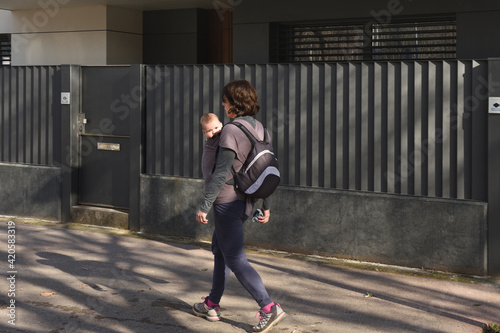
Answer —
(202, 310)
(268, 320)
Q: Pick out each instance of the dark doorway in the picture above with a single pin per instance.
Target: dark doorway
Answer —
(104, 177)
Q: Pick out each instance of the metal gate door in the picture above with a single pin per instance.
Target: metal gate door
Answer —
(105, 138)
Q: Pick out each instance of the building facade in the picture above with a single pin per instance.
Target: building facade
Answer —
(178, 32)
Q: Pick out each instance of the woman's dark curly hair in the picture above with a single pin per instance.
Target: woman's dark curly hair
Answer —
(242, 96)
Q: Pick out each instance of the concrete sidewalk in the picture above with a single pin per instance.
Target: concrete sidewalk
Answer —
(101, 280)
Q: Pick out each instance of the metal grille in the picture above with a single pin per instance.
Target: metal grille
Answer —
(414, 40)
(423, 39)
(5, 50)
(303, 43)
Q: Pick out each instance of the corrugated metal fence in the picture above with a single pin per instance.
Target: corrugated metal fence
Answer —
(395, 127)
(29, 117)
(417, 128)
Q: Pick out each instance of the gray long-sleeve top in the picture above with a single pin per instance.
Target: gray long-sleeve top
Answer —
(221, 172)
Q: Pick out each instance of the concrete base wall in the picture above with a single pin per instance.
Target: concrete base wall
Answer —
(438, 234)
(31, 191)
(169, 206)
(448, 235)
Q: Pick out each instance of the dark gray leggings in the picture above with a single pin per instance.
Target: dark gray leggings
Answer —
(229, 254)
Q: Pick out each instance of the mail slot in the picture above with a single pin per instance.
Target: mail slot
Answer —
(108, 146)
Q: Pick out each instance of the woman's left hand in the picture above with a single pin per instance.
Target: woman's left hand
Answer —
(265, 218)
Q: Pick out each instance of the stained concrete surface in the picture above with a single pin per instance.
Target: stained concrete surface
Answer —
(88, 279)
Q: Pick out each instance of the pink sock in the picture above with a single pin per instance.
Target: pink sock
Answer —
(268, 307)
(210, 304)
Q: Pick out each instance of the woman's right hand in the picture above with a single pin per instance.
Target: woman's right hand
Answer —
(201, 217)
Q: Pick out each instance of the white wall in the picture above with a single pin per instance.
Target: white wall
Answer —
(5, 21)
(85, 48)
(97, 35)
(123, 48)
(124, 36)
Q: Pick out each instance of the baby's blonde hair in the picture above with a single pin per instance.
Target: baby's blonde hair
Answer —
(208, 117)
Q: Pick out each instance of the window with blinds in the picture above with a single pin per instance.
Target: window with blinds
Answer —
(5, 50)
(432, 38)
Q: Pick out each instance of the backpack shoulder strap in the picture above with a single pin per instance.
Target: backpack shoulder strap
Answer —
(245, 130)
(249, 134)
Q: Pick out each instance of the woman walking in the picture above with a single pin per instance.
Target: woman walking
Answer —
(232, 208)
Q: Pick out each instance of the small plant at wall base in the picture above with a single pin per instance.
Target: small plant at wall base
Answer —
(491, 328)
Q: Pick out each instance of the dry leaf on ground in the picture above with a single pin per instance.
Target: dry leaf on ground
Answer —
(47, 294)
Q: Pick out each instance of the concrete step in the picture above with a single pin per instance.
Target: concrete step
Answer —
(106, 217)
